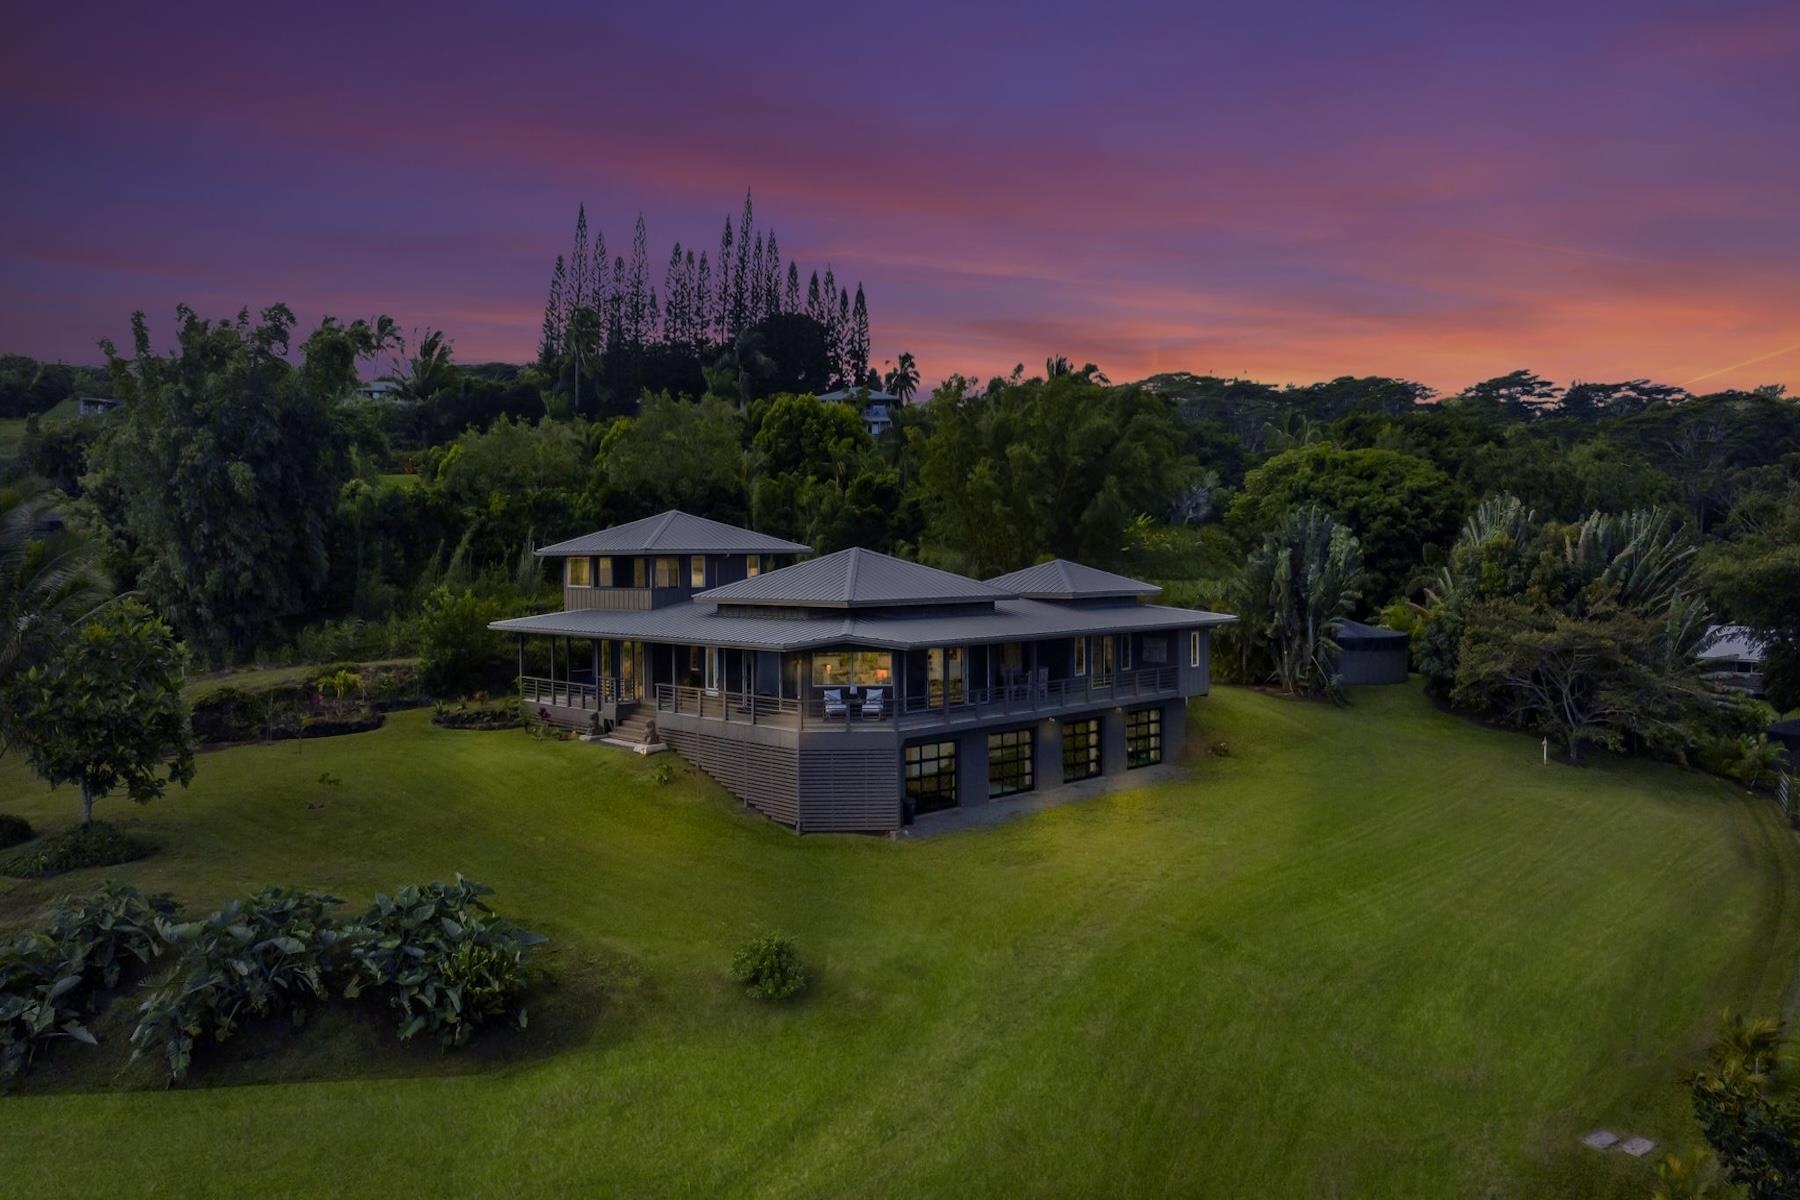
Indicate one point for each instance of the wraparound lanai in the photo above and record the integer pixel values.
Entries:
(857, 691)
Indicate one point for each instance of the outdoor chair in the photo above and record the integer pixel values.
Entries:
(834, 704)
(871, 706)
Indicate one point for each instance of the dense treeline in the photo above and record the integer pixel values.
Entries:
(267, 502)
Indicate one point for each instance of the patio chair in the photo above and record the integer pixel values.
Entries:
(871, 705)
(834, 704)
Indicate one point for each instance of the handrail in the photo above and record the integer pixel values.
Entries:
(1024, 698)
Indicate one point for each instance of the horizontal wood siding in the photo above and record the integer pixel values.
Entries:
(767, 778)
(850, 790)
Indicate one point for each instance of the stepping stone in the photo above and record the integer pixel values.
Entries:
(1637, 1147)
(1600, 1139)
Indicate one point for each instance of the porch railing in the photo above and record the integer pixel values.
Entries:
(629, 599)
(1029, 697)
(567, 693)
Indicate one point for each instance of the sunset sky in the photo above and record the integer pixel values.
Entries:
(1282, 191)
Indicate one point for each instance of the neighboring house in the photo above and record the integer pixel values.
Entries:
(95, 406)
(877, 407)
(379, 389)
(1734, 659)
(1369, 654)
(855, 691)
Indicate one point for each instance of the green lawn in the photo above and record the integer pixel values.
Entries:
(12, 429)
(1373, 952)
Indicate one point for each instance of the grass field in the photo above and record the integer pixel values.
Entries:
(1373, 952)
(12, 429)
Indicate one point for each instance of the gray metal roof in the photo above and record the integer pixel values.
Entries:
(855, 578)
(1732, 643)
(1354, 635)
(699, 623)
(1060, 579)
(675, 532)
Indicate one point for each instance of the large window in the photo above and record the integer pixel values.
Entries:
(638, 578)
(697, 571)
(1009, 762)
(1081, 749)
(841, 668)
(668, 572)
(931, 776)
(578, 571)
(606, 572)
(752, 565)
(1143, 737)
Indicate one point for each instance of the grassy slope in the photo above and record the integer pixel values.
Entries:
(1375, 952)
(12, 429)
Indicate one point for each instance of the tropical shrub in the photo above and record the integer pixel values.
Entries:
(101, 844)
(442, 958)
(769, 967)
(458, 650)
(48, 978)
(13, 830)
(1295, 593)
(261, 956)
(1747, 1108)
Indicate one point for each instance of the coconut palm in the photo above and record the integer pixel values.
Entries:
(903, 380)
(427, 371)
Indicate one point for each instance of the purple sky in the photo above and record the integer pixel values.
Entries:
(1289, 192)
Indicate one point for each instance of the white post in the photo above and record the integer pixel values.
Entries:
(1546, 751)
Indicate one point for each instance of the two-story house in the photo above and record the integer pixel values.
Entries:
(857, 691)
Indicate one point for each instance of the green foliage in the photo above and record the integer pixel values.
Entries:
(1686, 1176)
(1748, 1111)
(677, 454)
(49, 580)
(663, 773)
(1395, 504)
(769, 967)
(1755, 577)
(442, 958)
(48, 978)
(95, 844)
(106, 710)
(514, 456)
(458, 651)
(341, 684)
(1057, 467)
(1295, 592)
(13, 830)
(224, 467)
(1598, 640)
(265, 955)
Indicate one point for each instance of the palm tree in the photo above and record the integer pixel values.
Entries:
(427, 371)
(1296, 591)
(903, 380)
(50, 577)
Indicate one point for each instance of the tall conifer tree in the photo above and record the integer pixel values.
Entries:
(857, 339)
(550, 342)
(703, 301)
(792, 302)
(722, 313)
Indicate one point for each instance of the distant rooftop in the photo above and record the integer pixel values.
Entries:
(1354, 635)
(868, 395)
(1733, 643)
(674, 532)
(1060, 579)
(856, 578)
